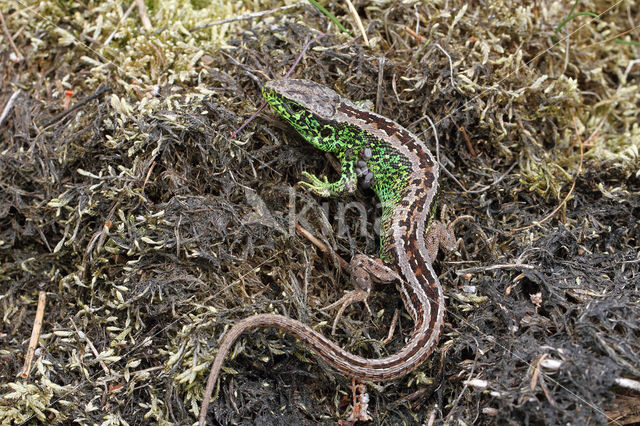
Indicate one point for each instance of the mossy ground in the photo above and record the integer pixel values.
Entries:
(150, 230)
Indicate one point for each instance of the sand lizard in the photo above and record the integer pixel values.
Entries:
(399, 168)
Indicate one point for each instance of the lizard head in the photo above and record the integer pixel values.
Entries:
(309, 107)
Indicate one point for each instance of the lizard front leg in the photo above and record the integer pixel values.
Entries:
(346, 184)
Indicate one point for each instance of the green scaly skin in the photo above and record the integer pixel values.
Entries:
(389, 167)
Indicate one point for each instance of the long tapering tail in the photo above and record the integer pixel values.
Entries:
(416, 350)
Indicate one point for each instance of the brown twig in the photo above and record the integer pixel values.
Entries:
(468, 141)
(415, 35)
(146, 179)
(124, 17)
(621, 34)
(142, 11)
(35, 334)
(356, 17)
(19, 55)
(536, 373)
(316, 242)
(7, 108)
(392, 327)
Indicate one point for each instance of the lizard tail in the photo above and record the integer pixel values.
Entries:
(345, 362)
(296, 328)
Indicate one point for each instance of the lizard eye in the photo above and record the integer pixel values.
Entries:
(295, 109)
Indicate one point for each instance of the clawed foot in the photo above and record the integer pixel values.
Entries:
(354, 296)
(364, 270)
(323, 188)
(441, 236)
(320, 187)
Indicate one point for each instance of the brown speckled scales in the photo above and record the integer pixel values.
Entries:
(405, 238)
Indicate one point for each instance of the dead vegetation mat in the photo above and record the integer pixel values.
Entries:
(150, 230)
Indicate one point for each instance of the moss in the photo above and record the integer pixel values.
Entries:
(152, 231)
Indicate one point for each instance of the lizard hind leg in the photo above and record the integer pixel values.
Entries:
(364, 271)
(439, 236)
